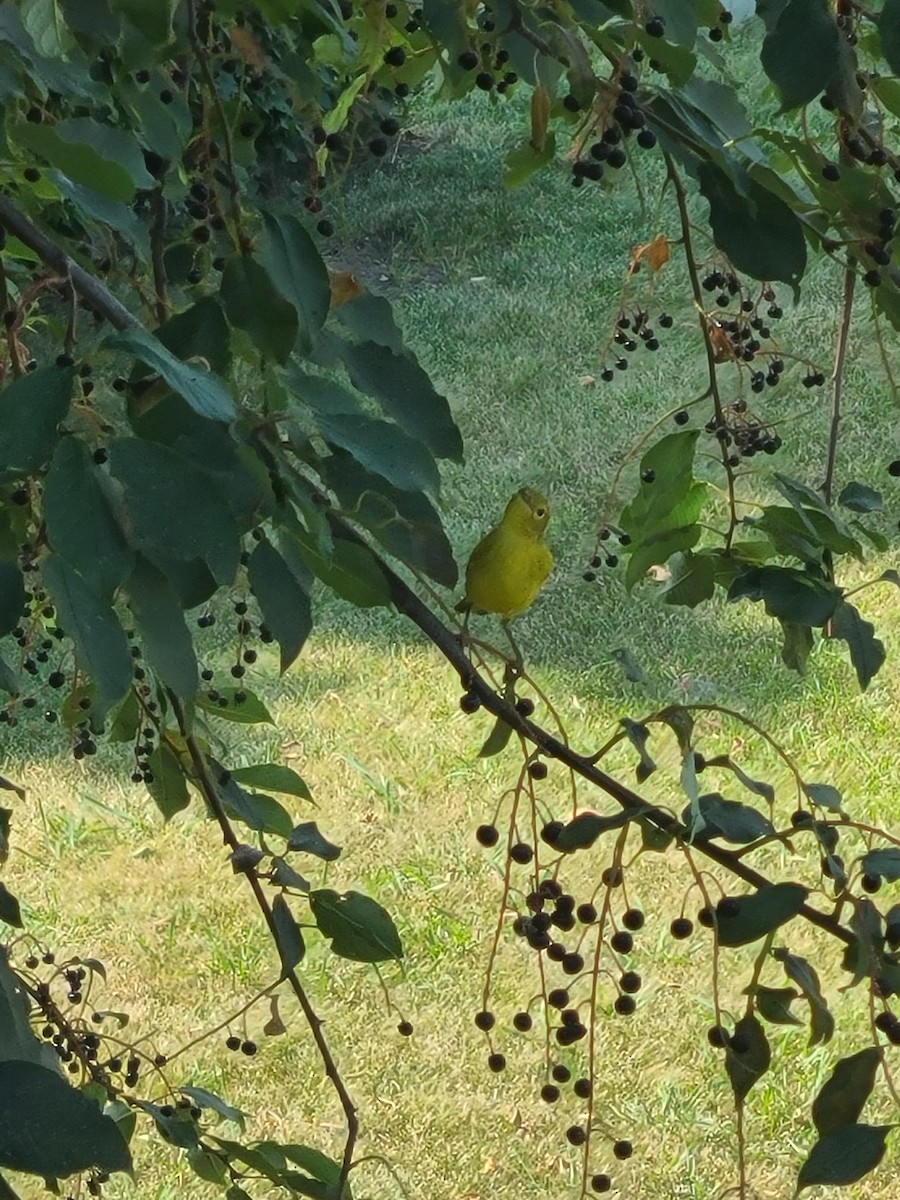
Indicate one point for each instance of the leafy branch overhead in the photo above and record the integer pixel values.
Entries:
(201, 414)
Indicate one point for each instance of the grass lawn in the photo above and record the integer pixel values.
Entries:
(509, 298)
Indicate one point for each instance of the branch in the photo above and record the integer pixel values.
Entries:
(837, 376)
(449, 644)
(86, 285)
(210, 793)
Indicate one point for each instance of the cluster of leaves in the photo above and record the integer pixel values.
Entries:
(785, 556)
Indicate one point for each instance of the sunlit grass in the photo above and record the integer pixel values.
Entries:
(509, 299)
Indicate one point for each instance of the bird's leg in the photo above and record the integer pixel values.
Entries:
(517, 664)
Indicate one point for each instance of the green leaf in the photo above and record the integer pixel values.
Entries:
(352, 572)
(79, 161)
(205, 1099)
(17, 1040)
(10, 912)
(680, 19)
(774, 1004)
(788, 594)
(760, 912)
(805, 977)
(859, 497)
(525, 161)
(306, 839)
(176, 1125)
(273, 777)
(12, 595)
(662, 517)
(746, 1068)
(801, 54)
(200, 331)
(253, 304)
(384, 448)
(173, 508)
(284, 875)
(867, 652)
(94, 208)
(49, 1128)
(843, 1096)
(288, 937)
(284, 604)
(406, 523)
(295, 267)
(208, 1166)
(755, 229)
(371, 318)
(638, 734)
(844, 1156)
(884, 863)
(31, 408)
(759, 787)
(824, 795)
(356, 925)
(206, 393)
(81, 527)
(728, 819)
(406, 394)
(497, 740)
(168, 785)
(797, 646)
(677, 62)
(100, 643)
(167, 641)
(584, 829)
(114, 143)
(153, 19)
(319, 1165)
(889, 29)
(692, 579)
(250, 710)
(257, 811)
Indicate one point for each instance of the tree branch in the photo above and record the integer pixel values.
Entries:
(86, 285)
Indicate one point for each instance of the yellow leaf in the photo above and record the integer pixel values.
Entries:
(344, 286)
(658, 252)
(655, 254)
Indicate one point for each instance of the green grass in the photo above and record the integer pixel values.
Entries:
(508, 298)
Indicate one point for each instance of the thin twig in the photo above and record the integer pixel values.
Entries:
(687, 243)
(157, 255)
(837, 376)
(210, 85)
(211, 795)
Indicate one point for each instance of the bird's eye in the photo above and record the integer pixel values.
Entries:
(539, 512)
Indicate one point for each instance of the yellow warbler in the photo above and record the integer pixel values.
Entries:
(510, 564)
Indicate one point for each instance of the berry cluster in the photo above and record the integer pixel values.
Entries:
(745, 433)
(490, 62)
(631, 331)
(581, 944)
(626, 118)
(607, 559)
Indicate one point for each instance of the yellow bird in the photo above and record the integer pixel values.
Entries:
(511, 563)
